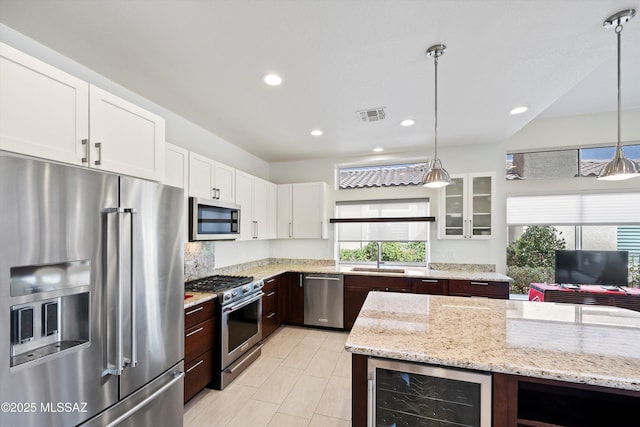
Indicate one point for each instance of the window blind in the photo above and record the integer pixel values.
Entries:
(574, 209)
(383, 231)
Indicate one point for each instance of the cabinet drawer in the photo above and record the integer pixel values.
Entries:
(198, 313)
(270, 301)
(198, 339)
(269, 323)
(429, 286)
(478, 288)
(270, 284)
(379, 283)
(197, 374)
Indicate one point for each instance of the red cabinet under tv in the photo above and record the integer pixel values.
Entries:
(616, 296)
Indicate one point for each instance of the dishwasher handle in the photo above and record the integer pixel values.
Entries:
(335, 279)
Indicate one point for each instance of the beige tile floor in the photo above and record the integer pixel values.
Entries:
(302, 379)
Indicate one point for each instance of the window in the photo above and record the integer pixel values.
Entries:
(584, 221)
(388, 242)
(553, 164)
(381, 176)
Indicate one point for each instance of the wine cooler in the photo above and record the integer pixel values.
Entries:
(404, 394)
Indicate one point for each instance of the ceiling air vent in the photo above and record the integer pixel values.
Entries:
(372, 114)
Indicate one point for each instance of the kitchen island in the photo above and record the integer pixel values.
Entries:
(550, 364)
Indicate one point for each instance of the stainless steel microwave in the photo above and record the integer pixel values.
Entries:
(213, 220)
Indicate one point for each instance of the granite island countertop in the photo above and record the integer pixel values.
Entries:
(594, 345)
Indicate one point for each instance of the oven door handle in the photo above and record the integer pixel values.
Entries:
(243, 303)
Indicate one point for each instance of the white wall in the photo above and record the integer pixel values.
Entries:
(478, 158)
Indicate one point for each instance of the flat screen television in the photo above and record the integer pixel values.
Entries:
(592, 267)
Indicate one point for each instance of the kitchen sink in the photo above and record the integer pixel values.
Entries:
(378, 270)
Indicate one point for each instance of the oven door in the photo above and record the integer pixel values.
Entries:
(241, 327)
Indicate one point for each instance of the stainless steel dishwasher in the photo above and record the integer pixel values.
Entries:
(323, 300)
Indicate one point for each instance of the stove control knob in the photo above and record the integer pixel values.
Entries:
(227, 297)
(234, 293)
(245, 290)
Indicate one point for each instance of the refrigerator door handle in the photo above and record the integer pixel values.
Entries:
(133, 360)
(116, 366)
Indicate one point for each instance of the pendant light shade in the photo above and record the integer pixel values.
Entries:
(436, 175)
(619, 167)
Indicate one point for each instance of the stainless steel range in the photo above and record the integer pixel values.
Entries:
(239, 323)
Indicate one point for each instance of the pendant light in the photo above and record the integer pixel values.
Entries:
(436, 175)
(619, 167)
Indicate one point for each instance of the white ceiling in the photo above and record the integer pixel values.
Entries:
(204, 60)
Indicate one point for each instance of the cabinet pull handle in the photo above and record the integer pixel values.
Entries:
(195, 366)
(217, 193)
(429, 281)
(301, 280)
(271, 315)
(195, 311)
(370, 404)
(290, 230)
(269, 281)
(99, 148)
(200, 329)
(270, 294)
(480, 283)
(85, 143)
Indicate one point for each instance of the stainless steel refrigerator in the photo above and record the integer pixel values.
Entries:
(91, 303)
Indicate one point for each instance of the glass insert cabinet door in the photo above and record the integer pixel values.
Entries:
(467, 207)
(404, 394)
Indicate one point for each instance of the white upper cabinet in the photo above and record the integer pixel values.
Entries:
(261, 208)
(124, 137)
(244, 198)
(43, 111)
(211, 180)
(176, 174)
(176, 170)
(272, 210)
(48, 113)
(253, 194)
(467, 207)
(284, 223)
(302, 212)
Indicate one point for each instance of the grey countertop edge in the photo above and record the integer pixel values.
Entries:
(559, 375)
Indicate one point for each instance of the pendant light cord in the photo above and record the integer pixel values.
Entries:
(618, 34)
(435, 60)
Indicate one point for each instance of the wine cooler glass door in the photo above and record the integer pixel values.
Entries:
(404, 394)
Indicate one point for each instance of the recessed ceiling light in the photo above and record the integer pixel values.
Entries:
(316, 132)
(378, 149)
(518, 110)
(272, 79)
(408, 122)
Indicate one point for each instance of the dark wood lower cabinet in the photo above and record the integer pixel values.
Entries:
(479, 288)
(430, 286)
(199, 347)
(198, 373)
(295, 296)
(271, 317)
(357, 287)
(535, 402)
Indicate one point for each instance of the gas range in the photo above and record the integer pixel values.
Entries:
(228, 288)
